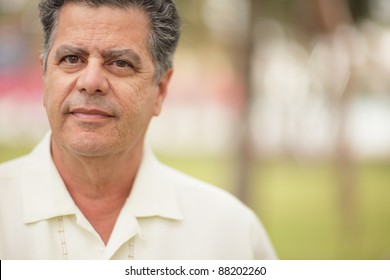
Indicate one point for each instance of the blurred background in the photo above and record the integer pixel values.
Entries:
(284, 103)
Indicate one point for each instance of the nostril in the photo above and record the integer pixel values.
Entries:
(93, 81)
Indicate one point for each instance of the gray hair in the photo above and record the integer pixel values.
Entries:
(164, 26)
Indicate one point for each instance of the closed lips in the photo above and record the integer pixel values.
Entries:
(90, 112)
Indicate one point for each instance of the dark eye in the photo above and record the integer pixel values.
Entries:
(71, 59)
(122, 64)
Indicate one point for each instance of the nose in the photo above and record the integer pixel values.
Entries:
(92, 79)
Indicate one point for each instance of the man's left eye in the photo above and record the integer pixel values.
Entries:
(122, 64)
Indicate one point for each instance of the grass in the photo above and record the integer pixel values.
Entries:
(299, 204)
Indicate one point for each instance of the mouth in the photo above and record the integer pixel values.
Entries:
(90, 114)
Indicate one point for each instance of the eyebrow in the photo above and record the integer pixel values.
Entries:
(68, 49)
(129, 54)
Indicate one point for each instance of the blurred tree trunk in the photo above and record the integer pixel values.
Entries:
(333, 14)
(245, 54)
(345, 166)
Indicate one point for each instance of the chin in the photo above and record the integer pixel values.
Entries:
(90, 150)
(91, 146)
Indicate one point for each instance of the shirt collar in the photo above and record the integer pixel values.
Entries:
(45, 195)
(153, 193)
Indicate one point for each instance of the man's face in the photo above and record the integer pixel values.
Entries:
(100, 92)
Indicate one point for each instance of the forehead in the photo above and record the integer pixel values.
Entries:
(102, 27)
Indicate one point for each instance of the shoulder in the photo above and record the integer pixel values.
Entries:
(21, 171)
(14, 174)
(28, 165)
(218, 213)
(13, 168)
(12, 179)
(199, 196)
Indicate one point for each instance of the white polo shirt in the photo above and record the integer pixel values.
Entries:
(168, 215)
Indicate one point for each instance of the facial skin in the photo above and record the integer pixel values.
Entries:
(100, 92)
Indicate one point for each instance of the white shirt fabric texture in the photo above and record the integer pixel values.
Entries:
(168, 215)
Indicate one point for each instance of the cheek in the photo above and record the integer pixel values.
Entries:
(49, 98)
(138, 105)
(57, 88)
(55, 93)
(48, 95)
(139, 99)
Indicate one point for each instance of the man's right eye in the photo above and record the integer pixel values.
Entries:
(71, 59)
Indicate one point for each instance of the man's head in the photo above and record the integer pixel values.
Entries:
(163, 18)
(107, 66)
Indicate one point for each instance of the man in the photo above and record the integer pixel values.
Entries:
(91, 189)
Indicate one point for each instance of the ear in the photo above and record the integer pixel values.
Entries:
(42, 64)
(162, 90)
(42, 61)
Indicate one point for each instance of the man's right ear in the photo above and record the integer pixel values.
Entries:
(42, 62)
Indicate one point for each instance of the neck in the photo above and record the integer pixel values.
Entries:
(99, 186)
